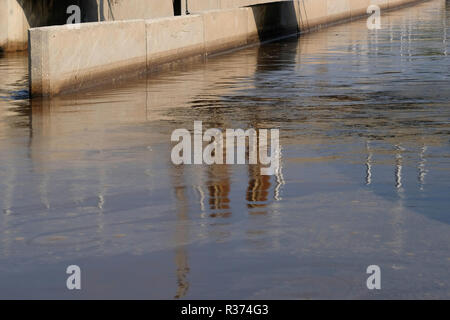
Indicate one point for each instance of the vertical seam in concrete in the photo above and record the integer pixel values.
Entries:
(147, 54)
(7, 25)
(203, 37)
(205, 47)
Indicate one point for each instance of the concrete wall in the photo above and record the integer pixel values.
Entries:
(134, 9)
(196, 6)
(63, 59)
(13, 26)
(224, 29)
(170, 39)
(17, 16)
(313, 14)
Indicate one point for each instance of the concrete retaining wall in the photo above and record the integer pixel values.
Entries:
(66, 59)
(135, 9)
(196, 6)
(173, 38)
(63, 59)
(13, 26)
(17, 16)
(225, 29)
(316, 13)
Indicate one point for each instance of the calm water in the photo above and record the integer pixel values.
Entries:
(364, 121)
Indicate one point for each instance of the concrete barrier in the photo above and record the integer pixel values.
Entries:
(338, 10)
(13, 26)
(17, 16)
(197, 6)
(3, 25)
(359, 7)
(66, 59)
(312, 13)
(174, 38)
(171, 39)
(135, 9)
(399, 3)
(225, 29)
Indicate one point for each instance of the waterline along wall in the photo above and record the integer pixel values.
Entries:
(67, 58)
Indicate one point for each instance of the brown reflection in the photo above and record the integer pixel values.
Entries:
(181, 233)
(258, 188)
(218, 186)
(219, 180)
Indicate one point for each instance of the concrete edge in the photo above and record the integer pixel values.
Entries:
(172, 39)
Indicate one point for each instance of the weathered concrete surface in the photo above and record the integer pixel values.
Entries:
(134, 9)
(17, 16)
(225, 29)
(196, 6)
(62, 59)
(13, 26)
(170, 39)
(312, 14)
(66, 59)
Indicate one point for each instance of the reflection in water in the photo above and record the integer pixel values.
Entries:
(363, 118)
(444, 31)
(279, 180)
(398, 168)
(181, 236)
(258, 189)
(8, 200)
(368, 164)
(218, 186)
(422, 170)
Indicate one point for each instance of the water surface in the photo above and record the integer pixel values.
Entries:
(364, 124)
